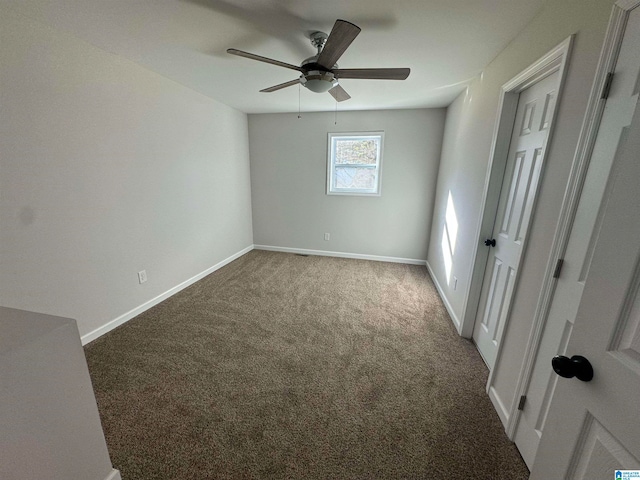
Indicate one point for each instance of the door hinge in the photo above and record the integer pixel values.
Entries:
(606, 88)
(556, 272)
(523, 398)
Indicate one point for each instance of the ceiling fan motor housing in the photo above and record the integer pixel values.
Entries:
(317, 78)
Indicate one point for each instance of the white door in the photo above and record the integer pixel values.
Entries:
(593, 427)
(616, 118)
(519, 187)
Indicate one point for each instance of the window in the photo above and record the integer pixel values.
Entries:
(355, 163)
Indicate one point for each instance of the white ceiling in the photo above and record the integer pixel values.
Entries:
(444, 42)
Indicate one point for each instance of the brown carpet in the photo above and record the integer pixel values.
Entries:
(285, 366)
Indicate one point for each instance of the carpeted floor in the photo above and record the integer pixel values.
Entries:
(285, 366)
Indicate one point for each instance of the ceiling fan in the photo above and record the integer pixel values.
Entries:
(320, 73)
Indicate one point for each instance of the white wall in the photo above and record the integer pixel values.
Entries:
(288, 178)
(451, 182)
(466, 152)
(107, 169)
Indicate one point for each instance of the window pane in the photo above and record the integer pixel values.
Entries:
(354, 163)
(361, 151)
(356, 178)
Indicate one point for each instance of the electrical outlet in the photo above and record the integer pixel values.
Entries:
(142, 276)
(327, 236)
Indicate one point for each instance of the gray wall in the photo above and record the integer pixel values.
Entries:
(107, 169)
(288, 183)
(466, 153)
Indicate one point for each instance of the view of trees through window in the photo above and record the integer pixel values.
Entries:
(354, 163)
(358, 151)
(356, 178)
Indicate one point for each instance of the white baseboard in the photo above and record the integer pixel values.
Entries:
(326, 253)
(454, 318)
(499, 407)
(114, 475)
(89, 337)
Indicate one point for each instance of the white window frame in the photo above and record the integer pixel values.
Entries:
(377, 190)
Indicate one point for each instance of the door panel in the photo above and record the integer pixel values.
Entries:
(493, 302)
(519, 188)
(609, 145)
(626, 342)
(601, 455)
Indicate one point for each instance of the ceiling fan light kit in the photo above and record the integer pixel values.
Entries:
(319, 82)
(320, 73)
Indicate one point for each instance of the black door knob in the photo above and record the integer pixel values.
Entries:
(490, 242)
(576, 366)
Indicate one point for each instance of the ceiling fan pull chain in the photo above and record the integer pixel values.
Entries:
(299, 88)
(335, 120)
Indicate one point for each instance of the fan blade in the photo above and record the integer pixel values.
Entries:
(282, 85)
(339, 94)
(373, 73)
(341, 36)
(253, 56)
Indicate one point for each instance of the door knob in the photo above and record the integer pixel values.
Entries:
(576, 366)
(490, 242)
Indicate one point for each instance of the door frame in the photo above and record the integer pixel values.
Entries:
(586, 141)
(554, 60)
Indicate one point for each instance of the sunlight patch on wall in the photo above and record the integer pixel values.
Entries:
(451, 223)
(446, 255)
(449, 235)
